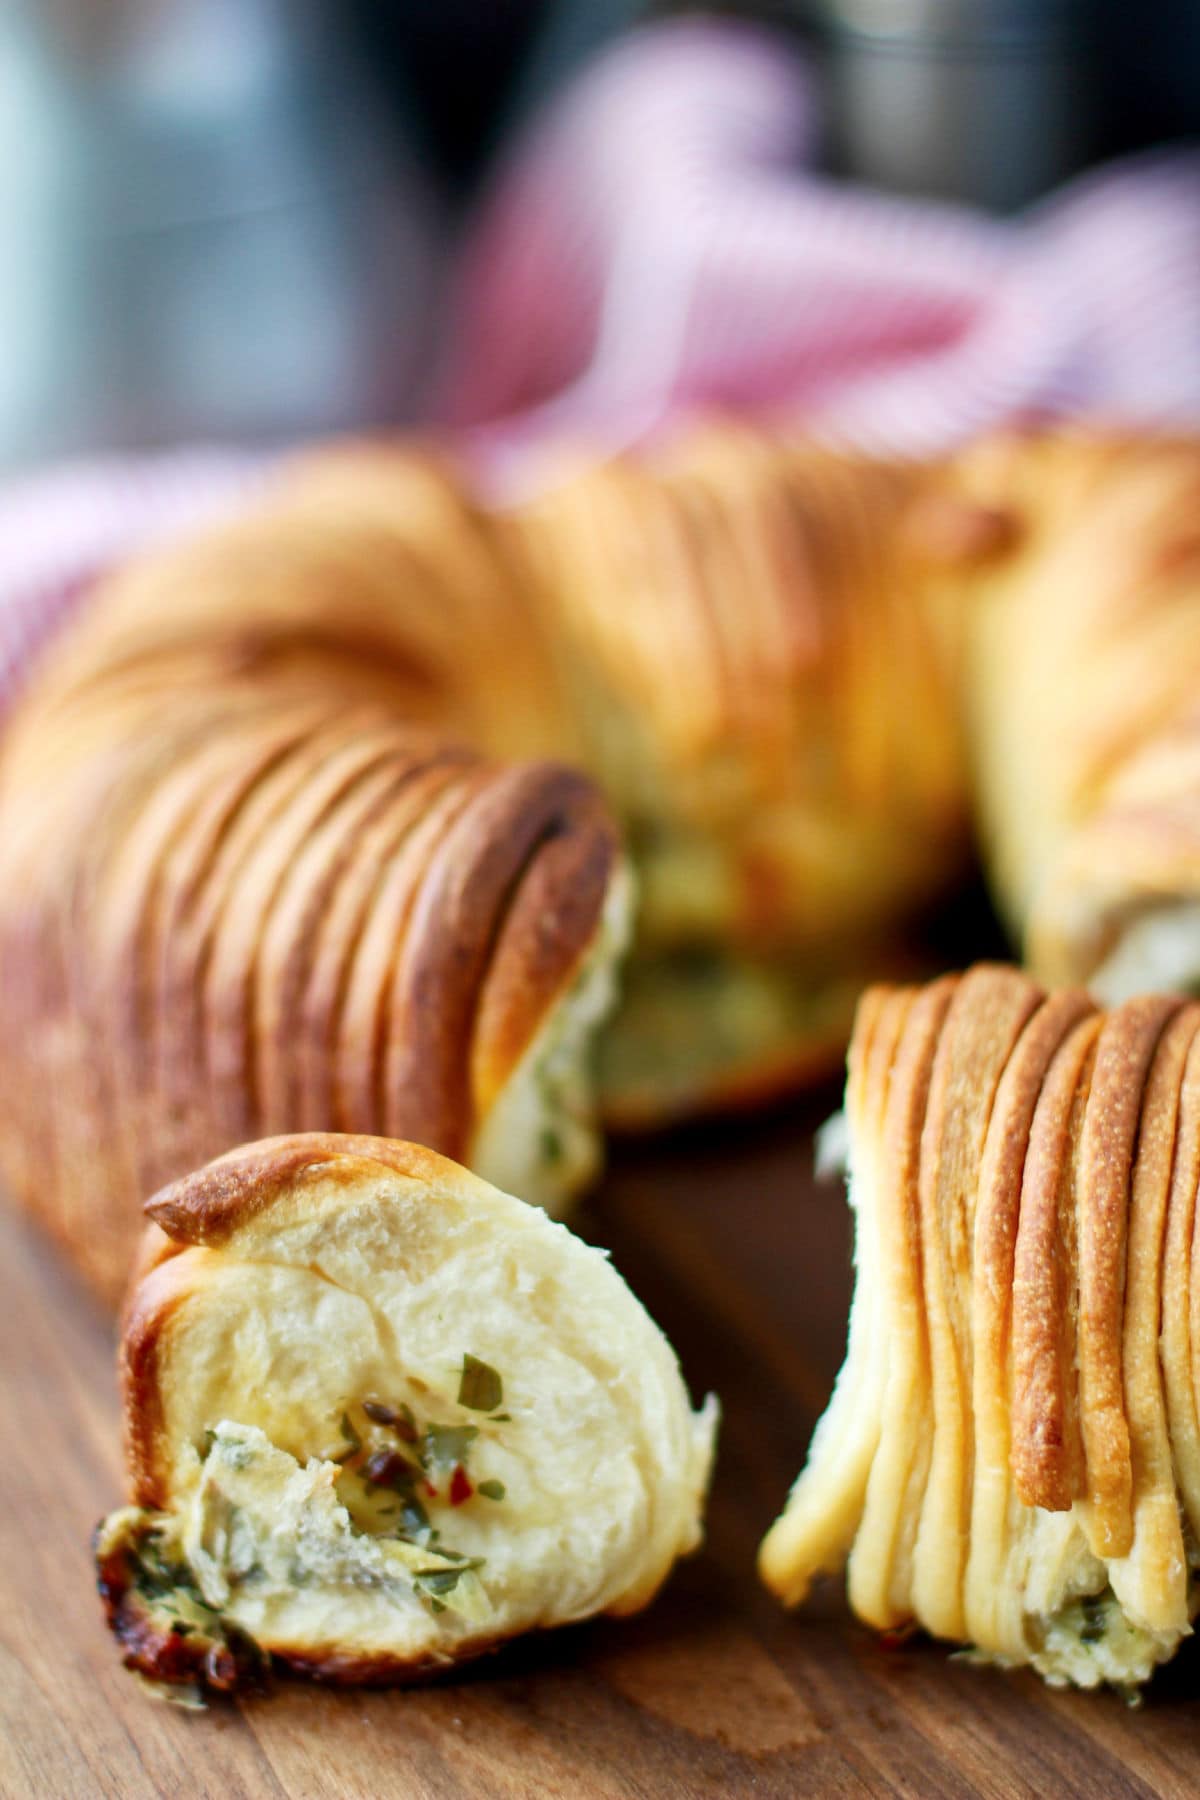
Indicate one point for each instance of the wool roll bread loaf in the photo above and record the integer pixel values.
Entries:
(1010, 1459)
(286, 849)
(381, 1417)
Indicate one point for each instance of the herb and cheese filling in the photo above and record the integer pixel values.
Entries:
(272, 1548)
(699, 1025)
(331, 1475)
(541, 1139)
(268, 1548)
(1090, 1639)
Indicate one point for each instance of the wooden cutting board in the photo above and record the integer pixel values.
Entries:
(744, 1260)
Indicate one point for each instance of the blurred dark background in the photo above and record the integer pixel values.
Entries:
(474, 69)
(239, 218)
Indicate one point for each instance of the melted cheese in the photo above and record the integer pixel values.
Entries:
(273, 1549)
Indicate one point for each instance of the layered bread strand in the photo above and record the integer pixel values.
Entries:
(1009, 1458)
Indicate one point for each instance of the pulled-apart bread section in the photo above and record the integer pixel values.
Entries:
(1082, 664)
(1010, 1457)
(381, 1417)
(250, 887)
(760, 664)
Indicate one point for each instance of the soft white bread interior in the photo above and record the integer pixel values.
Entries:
(380, 1417)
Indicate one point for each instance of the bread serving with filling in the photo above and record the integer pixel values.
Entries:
(381, 1417)
(1011, 1457)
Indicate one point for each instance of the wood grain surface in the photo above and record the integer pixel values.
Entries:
(714, 1692)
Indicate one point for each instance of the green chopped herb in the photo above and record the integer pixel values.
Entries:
(551, 1145)
(1095, 1618)
(501, 1418)
(491, 1490)
(444, 1445)
(480, 1387)
(155, 1578)
(439, 1581)
(353, 1441)
(405, 1424)
(414, 1520)
(438, 1606)
(444, 1581)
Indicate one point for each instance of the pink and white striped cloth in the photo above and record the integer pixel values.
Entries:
(656, 244)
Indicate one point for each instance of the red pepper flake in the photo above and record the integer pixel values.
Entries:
(461, 1488)
(431, 1490)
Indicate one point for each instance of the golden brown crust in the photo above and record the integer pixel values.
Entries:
(206, 1208)
(1158, 1560)
(214, 732)
(1047, 1455)
(536, 951)
(986, 1017)
(148, 1307)
(366, 1003)
(997, 1384)
(338, 934)
(214, 993)
(287, 945)
(1108, 1141)
(350, 752)
(1178, 1289)
(753, 691)
(459, 912)
(231, 746)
